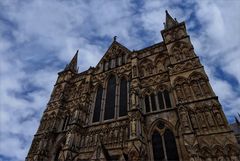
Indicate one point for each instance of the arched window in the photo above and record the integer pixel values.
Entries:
(147, 104)
(167, 99)
(157, 145)
(98, 102)
(123, 98)
(164, 146)
(110, 98)
(160, 101)
(164, 100)
(170, 145)
(154, 108)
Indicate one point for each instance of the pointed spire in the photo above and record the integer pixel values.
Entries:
(170, 22)
(73, 64)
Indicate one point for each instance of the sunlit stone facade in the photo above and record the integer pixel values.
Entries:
(150, 104)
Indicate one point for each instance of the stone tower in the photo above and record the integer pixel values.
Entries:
(151, 104)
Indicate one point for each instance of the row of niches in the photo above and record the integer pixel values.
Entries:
(148, 67)
(157, 101)
(114, 62)
(198, 117)
(48, 123)
(107, 136)
(181, 51)
(196, 86)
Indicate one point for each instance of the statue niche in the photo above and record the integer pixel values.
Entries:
(161, 62)
(146, 68)
(181, 51)
(199, 84)
(181, 88)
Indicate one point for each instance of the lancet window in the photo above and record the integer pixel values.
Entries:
(114, 100)
(123, 98)
(164, 144)
(98, 103)
(110, 98)
(159, 101)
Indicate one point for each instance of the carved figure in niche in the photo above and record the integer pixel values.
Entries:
(187, 91)
(121, 134)
(179, 93)
(184, 119)
(219, 118)
(133, 127)
(146, 67)
(69, 139)
(177, 56)
(205, 87)
(201, 120)
(160, 66)
(186, 52)
(196, 89)
(180, 51)
(193, 121)
(134, 71)
(209, 118)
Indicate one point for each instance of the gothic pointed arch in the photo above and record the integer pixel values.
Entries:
(98, 103)
(146, 67)
(163, 142)
(109, 110)
(160, 61)
(123, 100)
(181, 51)
(182, 88)
(199, 84)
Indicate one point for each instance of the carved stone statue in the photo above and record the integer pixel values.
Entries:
(209, 118)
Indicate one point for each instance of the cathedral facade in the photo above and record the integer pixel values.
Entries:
(151, 104)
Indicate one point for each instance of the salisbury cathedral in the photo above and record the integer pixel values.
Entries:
(153, 104)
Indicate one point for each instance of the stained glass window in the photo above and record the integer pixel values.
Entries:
(170, 145)
(147, 105)
(164, 146)
(160, 101)
(154, 108)
(157, 145)
(110, 98)
(167, 99)
(98, 102)
(123, 98)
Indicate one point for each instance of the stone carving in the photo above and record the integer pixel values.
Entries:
(195, 113)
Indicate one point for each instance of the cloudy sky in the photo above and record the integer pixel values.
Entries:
(39, 37)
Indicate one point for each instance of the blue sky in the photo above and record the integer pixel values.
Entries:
(39, 37)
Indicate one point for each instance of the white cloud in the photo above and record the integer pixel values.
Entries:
(39, 37)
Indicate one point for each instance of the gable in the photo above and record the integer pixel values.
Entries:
(115, 51)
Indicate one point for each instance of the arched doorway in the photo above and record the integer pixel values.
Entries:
(163, 143)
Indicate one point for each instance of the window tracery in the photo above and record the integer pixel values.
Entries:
(123, 97)
(98, 103)
(164, 146)
(110, 98)
(157, 101)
